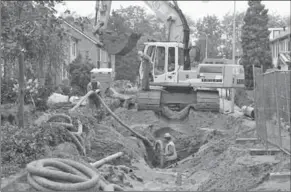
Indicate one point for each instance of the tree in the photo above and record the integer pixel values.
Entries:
(210, 26)
(227, 28)
(32, 26)
(255, 40)
(134, 19)
(278, 21)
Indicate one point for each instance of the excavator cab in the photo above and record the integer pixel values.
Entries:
(168, 61)
(165, 59)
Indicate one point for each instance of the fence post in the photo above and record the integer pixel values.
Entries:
(256, 106)
(287, 97)
(277, 108)
(264, 111)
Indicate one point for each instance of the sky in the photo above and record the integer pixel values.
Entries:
(194, 9)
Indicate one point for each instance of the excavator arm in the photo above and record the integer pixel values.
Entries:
(113, 43)
(167, 12)
(178, 28)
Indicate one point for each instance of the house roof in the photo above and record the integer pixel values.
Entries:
(87, 36)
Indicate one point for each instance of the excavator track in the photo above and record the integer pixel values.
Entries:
(202, 99)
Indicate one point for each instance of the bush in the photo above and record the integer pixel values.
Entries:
(7, 93)
(21, 146)
(79, 71)
(41, 98)
(18, 145)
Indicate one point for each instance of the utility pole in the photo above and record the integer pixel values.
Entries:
(206, 46)
(233, 55)
(0, 86)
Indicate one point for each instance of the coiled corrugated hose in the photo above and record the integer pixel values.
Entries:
(57, 174)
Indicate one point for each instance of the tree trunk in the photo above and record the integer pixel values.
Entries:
(41, 71)
(4, 68)
(21, 91)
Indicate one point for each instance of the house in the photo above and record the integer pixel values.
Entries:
(274, 32)
(280, 45)
(84, 43)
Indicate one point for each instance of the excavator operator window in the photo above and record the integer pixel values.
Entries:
(181, 57)
(151, 52)
(171, 59)
(160, 61)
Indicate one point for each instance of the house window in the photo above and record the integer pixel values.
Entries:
(74, 47)
(64, 71)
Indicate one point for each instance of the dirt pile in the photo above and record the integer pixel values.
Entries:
(120, 175)
(227, 165)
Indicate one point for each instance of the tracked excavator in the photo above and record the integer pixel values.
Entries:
(173, 84)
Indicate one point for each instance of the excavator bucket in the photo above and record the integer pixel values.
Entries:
(119, 44)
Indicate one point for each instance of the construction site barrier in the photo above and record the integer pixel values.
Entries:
(272, 107)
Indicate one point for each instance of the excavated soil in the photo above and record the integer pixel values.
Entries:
(209, 158)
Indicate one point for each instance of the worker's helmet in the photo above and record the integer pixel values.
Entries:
(167, 136)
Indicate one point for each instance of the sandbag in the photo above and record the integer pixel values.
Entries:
(57, 98)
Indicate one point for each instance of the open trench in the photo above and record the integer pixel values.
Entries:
(188, 135)
(206, 154)
(208, 157)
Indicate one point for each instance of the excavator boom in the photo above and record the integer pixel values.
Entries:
(113, 43)
(165, 13)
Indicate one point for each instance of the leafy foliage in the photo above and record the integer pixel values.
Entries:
(134, 19)
(277, 21)
(79, 71)
(7, 93)
(20, 146)
(211, 26)
(255, 40)
(227, 27)
(33, 92)
(31, 26)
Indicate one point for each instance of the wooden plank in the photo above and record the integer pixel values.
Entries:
(280, 175)
(271, 151)
(247, 140)
(206, 85)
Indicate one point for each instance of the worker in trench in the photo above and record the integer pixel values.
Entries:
(170, 153)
